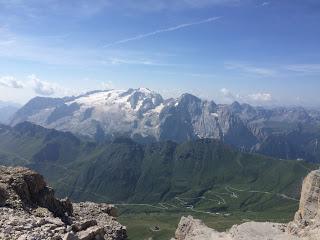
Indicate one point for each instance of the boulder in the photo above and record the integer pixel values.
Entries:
(92, 233)
(83, 225)
(70, 236)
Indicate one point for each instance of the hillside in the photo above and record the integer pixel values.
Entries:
(152, 173)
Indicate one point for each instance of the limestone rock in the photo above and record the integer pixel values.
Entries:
(309, 207)
(89, 212)
(194, 229)
(24, 188)
(306, 222)
(70, 236)
(84, 225)
(92, 233)
(29, 211)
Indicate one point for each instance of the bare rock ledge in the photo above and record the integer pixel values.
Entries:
(30, 211)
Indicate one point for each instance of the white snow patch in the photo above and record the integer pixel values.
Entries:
(215, 115)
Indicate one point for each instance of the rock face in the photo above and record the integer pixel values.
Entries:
(29, 210)
(305, 226)
(91, 217)
(194, 229)
(307, 219)
(309, 206)
(22, 188)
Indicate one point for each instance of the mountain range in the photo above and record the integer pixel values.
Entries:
(145, 116)
(125, 171)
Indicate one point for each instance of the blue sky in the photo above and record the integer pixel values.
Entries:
(256, 51)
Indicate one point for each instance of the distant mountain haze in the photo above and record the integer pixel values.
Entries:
(7, 110)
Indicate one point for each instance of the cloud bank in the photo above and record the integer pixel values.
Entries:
(259, 98)
(46, 88)
(42, 87)
(250, 69)
(304, 68)
(10, 82)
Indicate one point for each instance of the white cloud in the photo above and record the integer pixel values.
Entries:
(10, 82)
(159, 5)
(248, 68)
(46, 88)
(264, 4)
(120, 61)
(227, 94)
(42, 87)
(47, 50)
(304, 68)
(252, 98)
(6, 37)
(107, 85)
(160, 31)
(85, 8)
(260, 97)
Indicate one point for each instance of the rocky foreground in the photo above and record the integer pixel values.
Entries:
(30, 211)
(305, 226)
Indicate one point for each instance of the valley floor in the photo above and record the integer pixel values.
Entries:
(218, 208)
(141, 226)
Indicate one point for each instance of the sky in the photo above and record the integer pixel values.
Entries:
(263, 52)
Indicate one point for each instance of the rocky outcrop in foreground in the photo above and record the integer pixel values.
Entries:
(305, 226)
(29, 211)
(306, 223)
(194, 229)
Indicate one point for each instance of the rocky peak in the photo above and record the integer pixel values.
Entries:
(188, 98)
(143, 99)
(235, 107)
(29, 210)
(190, 104)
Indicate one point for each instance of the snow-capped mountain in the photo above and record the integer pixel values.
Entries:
(145, 116)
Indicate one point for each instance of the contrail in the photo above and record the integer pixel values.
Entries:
(170, 29)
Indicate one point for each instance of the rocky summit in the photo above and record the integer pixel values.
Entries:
(305, 226)
(29, 210)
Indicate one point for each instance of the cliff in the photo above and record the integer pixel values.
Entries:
(29, 210)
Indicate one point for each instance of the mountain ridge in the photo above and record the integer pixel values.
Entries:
(145, 116)
(151, 172)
